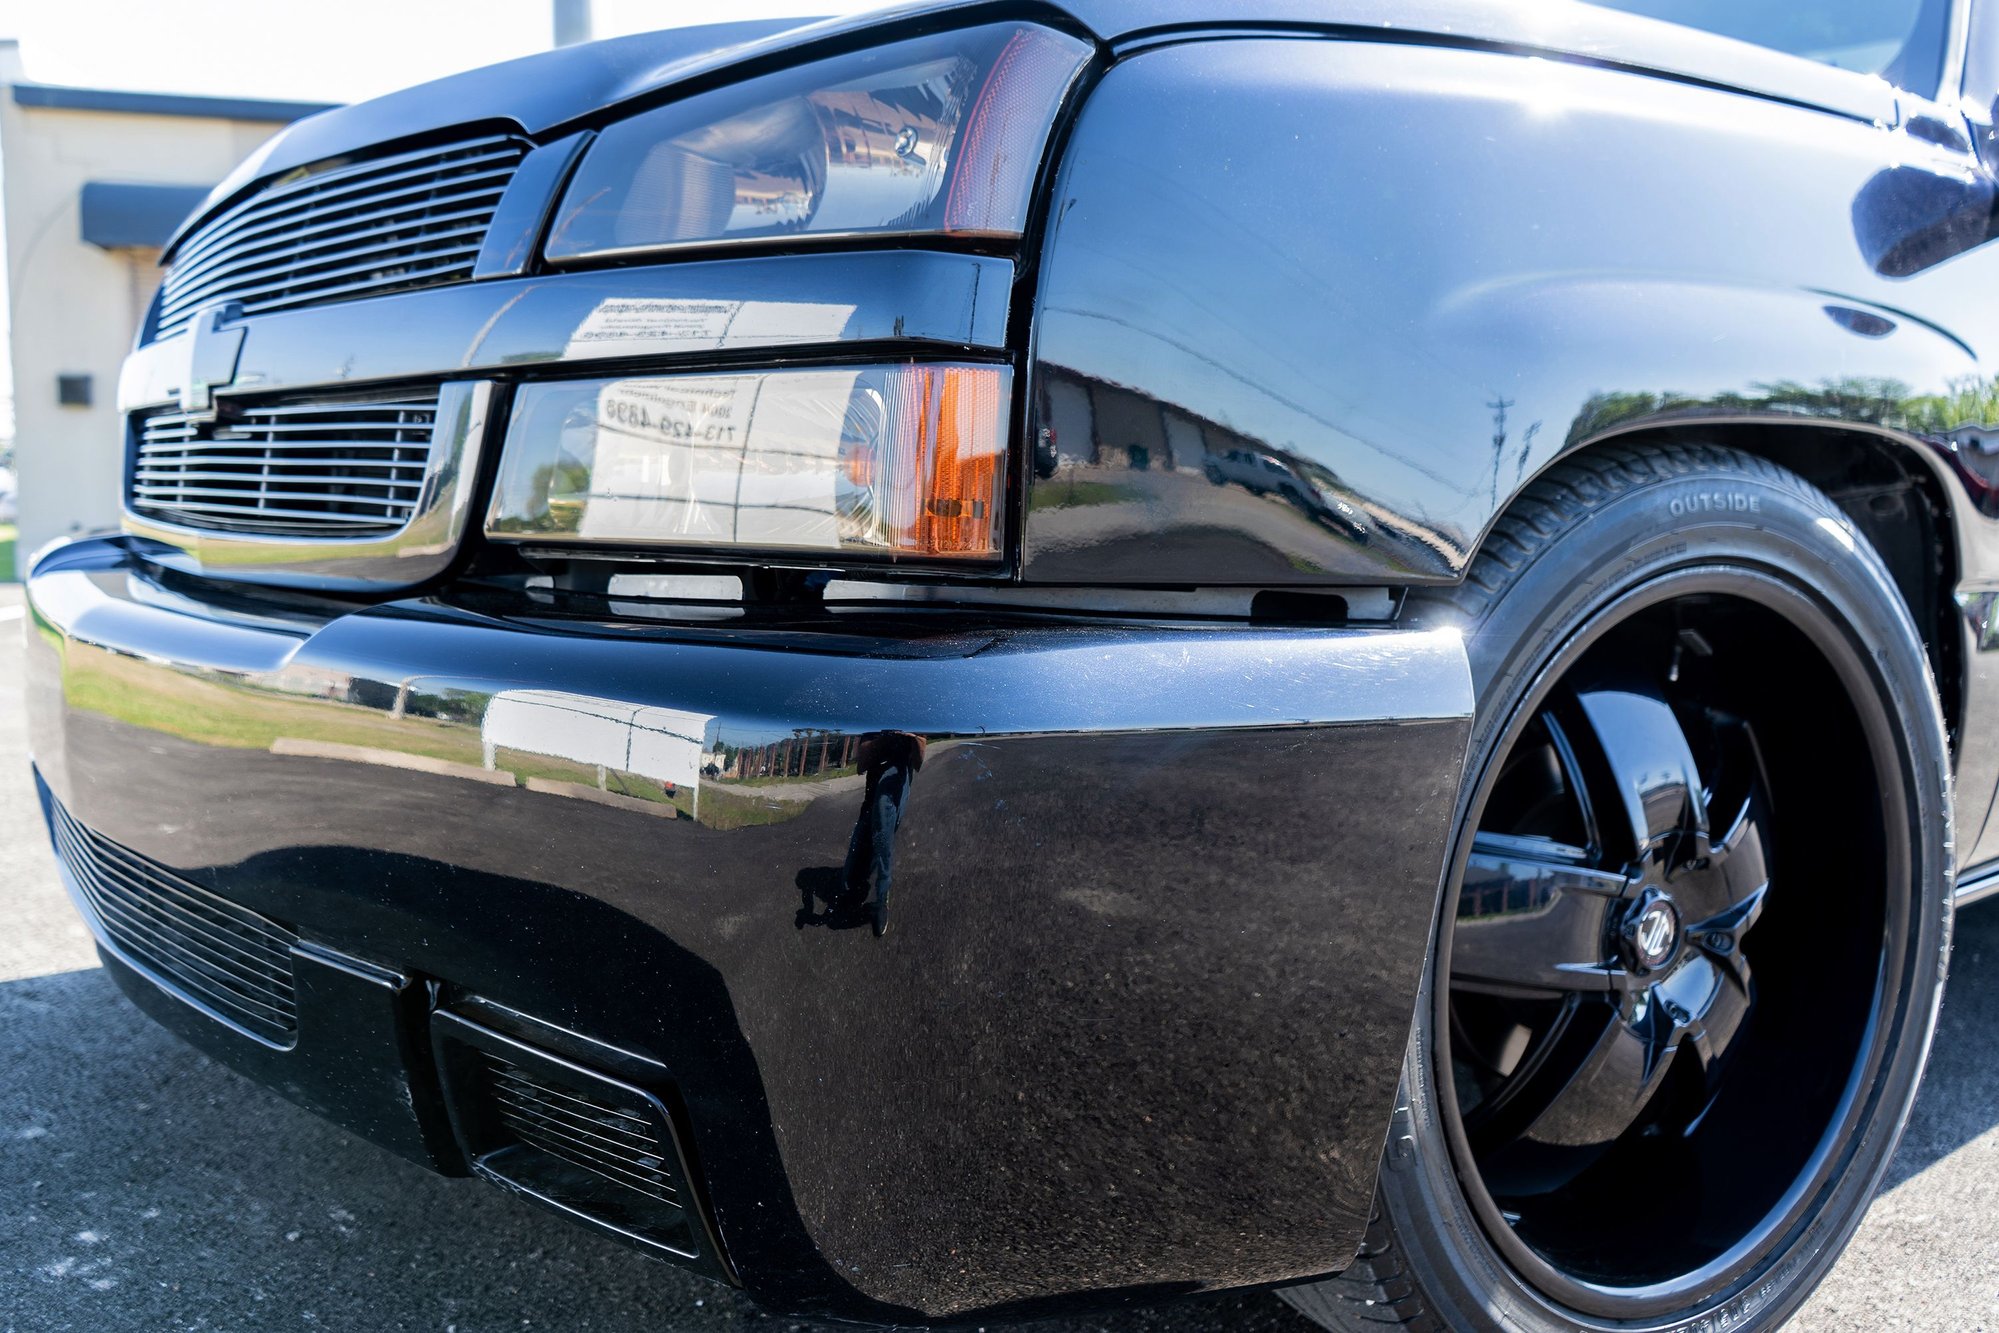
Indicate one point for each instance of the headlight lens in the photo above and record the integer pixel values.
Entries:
(939, 134)
(894, 460)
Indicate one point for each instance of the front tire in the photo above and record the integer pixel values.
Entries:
(1693, 939)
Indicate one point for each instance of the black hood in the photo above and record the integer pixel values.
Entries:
(542, 93)
(535, 94)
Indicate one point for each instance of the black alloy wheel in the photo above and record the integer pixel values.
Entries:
(1690, 955)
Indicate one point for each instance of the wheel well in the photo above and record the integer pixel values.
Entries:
(1897, 504)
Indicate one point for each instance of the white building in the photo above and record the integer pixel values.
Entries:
(95, 181)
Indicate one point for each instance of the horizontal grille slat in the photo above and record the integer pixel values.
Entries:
(604, 1164)
(621, 1144)
(217, 954)
(351, 467)
(252, 485)
(415, 277)
(609, 1168)
(281, 282)
(581, 1126)
(402, 471)
(374, 175)
(345, 190)
(266, 982)
(345, 410)
(219, 518)
(517, 1081)
(168, 481)
(631, 1155)
(217, 932)
(299, 271)
(268, 514)
(356, 436)
(346, 231)
(220, 910)
(212, 976)
(471, 198)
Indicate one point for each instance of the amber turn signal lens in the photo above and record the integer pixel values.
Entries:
(960, 506)
(899, 461)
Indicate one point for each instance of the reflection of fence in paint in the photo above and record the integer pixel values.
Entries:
(666, 745)
(806, 753)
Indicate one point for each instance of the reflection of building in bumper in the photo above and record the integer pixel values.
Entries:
(666, 745)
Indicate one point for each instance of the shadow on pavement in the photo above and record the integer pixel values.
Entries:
(143, 1186)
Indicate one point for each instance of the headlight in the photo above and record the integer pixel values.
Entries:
(940, 134)
(893, 460)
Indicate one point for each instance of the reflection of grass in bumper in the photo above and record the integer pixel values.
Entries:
(224, 713)
(1075, 494)
(724, 809)
(219, 712)
(7, 571)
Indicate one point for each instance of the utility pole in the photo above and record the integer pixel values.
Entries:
(1498, 405)
(572, 21)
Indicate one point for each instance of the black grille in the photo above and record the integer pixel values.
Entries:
(349, 468)
(585, 1128)
(345, 231)
(219, 957)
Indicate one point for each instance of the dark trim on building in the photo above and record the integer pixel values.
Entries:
(119, 214)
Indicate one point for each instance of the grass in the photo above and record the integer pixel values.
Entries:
(1075, 494)
(217, 712)
(8, 574)
(221, 712)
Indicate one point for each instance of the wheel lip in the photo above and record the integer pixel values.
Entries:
(1723, 1278)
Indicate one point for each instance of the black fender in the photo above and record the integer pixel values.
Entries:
(1418, 274)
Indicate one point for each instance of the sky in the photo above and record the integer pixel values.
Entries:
(319, 50)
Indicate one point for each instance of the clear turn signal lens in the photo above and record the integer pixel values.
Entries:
(898, 460)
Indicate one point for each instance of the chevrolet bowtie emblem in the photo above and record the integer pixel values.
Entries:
(211, 354)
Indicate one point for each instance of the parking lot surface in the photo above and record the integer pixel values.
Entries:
(144, 1187)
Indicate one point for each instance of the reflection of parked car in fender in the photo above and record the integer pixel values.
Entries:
(1304, 484)
(1341, 513)
(1256, 471)
(1320, 494)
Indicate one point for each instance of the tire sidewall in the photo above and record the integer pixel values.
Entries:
(1760, 518)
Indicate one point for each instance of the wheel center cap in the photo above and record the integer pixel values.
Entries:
(1652, 932)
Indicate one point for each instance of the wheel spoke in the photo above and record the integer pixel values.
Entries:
(1637, 761)
(1531, 919)
(1709, 998)
(1735, 871)
(1585, 1104)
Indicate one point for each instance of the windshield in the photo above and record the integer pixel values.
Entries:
(1901, 40)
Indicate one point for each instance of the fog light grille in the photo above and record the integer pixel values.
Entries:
(226, 960)
(618, 1142)
(602, 1150)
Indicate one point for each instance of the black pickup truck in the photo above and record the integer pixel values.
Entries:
(996, 657)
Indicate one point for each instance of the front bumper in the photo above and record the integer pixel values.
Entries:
(1161, 898)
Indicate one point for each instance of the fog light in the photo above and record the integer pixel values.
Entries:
(902, 460)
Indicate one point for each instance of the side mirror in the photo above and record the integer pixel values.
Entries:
(1908, 218)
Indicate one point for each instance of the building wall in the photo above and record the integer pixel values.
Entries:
(73, 307)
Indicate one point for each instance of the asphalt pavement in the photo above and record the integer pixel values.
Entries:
(144, 1187)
